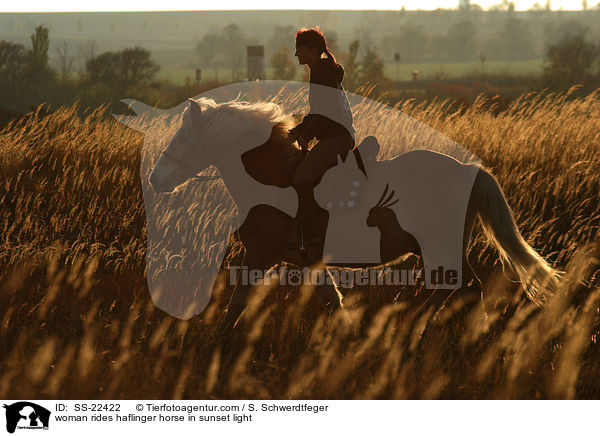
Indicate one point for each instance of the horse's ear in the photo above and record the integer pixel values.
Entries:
(339, 160)
(195, 108)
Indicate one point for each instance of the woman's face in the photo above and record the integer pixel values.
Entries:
(306, 55)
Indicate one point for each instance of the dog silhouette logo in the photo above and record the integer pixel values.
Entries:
(26, 415)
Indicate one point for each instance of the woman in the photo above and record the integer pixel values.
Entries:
(329, 121)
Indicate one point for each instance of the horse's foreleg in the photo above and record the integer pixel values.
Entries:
(264, 233)
(329, 293)
(327, 290)
(254, 260)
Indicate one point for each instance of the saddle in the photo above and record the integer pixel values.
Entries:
(271, 165)
(274, 164)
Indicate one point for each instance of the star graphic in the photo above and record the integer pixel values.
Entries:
(356, 184)
(341, 204)
(353, 193)
(329, 204)
(351, 203)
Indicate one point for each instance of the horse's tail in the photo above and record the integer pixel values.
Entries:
(539, 279)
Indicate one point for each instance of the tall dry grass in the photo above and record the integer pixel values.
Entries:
(76, 319)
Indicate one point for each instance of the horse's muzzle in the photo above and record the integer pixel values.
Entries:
(157, 186)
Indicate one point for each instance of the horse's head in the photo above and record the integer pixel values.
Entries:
(185, 155)
(213, 134)
(381, 214)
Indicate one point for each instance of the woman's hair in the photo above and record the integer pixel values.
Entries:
(314, 38)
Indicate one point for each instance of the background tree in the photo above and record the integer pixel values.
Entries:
(64, 59)
(352, 67)
(572, 60)
(412, 41)
(137, 66)
(104, 68)
(234, 48)
(123, 69)
(504, 5)
(513, 40)
(12, 62)
(224, 48)
(373, 71)
(332, 41)
(87, 52)
(208, 48)
(283, 36)
(40, 43)
(554, 31)
(284, 67)
(37, 68)
(460, 42)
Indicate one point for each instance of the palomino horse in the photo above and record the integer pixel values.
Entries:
(264, 173)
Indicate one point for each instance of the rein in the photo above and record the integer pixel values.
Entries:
(304, 151)
(284, 158)
(184, 166)
(205, 178)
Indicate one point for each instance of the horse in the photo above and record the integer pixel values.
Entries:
(207, 138)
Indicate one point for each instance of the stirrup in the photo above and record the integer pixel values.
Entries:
(304, 243)
(297, 245)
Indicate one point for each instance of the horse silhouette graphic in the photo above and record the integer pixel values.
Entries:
(26, 414)
(240, 131)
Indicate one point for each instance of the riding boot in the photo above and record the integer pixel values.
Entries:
(310, 214)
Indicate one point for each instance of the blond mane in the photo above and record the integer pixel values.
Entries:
(229, 122)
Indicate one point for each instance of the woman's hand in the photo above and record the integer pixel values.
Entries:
(303, 142)
(296, 135)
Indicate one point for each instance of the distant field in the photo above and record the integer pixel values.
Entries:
(426, 70)
(456, 69)
(178, 75)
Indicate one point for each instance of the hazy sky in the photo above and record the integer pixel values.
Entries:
(150, 5)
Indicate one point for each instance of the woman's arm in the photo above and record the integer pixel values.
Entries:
(311, 124)
(302, 131)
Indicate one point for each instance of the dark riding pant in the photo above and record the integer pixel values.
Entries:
(322, 157)
(319, 159)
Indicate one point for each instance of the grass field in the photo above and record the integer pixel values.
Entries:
(77, 322)
(427, 70)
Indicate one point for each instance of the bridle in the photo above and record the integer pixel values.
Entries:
(184, 166)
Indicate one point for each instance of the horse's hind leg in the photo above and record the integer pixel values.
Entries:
(470, 289)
